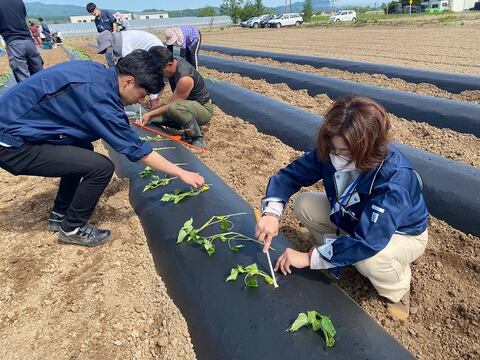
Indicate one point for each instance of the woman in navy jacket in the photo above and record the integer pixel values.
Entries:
(372, 214)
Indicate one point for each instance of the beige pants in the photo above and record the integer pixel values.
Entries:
(389, 270)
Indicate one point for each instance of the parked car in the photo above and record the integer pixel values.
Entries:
(269, 17)
(255, 22)
(286, 20)
(344, 15)
(245, 22)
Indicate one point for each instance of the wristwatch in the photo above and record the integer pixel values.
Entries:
(266, 213)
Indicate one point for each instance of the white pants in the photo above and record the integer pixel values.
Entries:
(389, 270)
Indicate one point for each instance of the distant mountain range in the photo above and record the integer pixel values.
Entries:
(318, 5)
(35, 9)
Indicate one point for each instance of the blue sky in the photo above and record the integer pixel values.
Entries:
(138, 5)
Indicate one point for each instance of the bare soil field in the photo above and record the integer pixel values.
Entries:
(66, 302)
(4, 64)
(444, 142)
(363, 78)
(431, 47)
(445, 311)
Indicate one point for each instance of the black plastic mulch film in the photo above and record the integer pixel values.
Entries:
(444, 113)
(227, 320)
(451, 82)
(452, 188)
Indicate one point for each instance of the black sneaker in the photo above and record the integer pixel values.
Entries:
(54, 221)
(198, 142)
(87, 235)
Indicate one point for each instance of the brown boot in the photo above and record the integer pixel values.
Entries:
(400, 310)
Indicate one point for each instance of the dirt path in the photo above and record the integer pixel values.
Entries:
(61, 301)
(363, 78)
(67, 302)
(4, 67)
(446, 283)
(431, 47)
(444, 142)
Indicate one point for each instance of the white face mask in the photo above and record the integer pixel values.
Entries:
(341, 164)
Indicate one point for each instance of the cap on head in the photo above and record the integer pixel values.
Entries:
(173, 36)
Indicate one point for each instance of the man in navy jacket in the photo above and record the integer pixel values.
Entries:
(104, 19)
(48, 122)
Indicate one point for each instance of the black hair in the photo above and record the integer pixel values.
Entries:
(142, 66)
(40, 19)
(162, 55)
(91, 6)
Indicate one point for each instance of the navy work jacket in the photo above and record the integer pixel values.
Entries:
(66, 104)
(387, 199)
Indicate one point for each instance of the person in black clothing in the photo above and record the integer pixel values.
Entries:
(104, 19)
(190, 105)
(23, 56)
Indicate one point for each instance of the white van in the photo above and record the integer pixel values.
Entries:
(286, 20)
(344, 15)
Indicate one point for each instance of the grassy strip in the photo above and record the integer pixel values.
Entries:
(4, 77)
(393, 19)
(80, 53)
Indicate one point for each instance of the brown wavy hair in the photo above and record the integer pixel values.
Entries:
(364, 125)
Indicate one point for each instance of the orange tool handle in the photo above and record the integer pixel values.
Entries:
(175, 138)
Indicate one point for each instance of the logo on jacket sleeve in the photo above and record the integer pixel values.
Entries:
(326, 250)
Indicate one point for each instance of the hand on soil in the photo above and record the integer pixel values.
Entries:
(293, 258)
(193, 179)
(266, 230)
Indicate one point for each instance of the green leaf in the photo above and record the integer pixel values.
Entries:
(209, 248)
(327, 326)
(233, 275)
(252, 268)
(237, 248)
(166, 197)
(200, 240)
(299, 322)
(241, 269)
(224, 225)
(312, 320)
(185, 230)
(324, 323)
(146, 172)
(252, 281)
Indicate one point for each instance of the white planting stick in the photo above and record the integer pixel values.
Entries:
(271, 270)
(257, 217)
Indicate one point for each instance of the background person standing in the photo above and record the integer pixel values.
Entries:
(23, 56)
(188, 38)
(104, 20)
(35, 30)
(46, 31)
